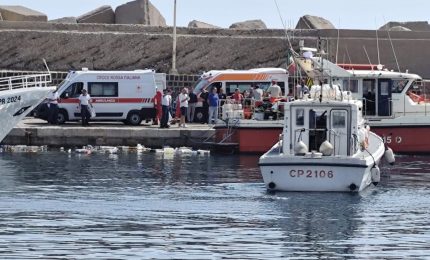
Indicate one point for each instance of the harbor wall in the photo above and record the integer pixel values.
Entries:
(128, 47)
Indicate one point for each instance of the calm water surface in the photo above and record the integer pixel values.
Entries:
(130, 206)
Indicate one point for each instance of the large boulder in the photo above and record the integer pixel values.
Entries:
(103, 14)
(139, 12)
(419, 26)
(21, 13)
(249, 25)
(310, 22)
(198, 24)
(70, 19)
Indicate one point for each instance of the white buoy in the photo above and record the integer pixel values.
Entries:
(300, 148)
(326, 148)
(389, 156)
(169, 150)
(375, 174)
(113, 150)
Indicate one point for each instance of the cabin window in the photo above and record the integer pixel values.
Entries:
(300, 117)
(417, 88)
(397, 86)
(339, 119)
(350, 85)
(73, 91)
(384, 88)
(103, 89)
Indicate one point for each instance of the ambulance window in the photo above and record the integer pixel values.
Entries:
(103, 89)
(217, 85)
(242, 86)
(73, 91)
(264, 85)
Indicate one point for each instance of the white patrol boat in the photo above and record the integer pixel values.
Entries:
(325, 146)
(19, 95)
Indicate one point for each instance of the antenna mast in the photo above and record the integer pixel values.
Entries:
(392, 47)
(377, 46)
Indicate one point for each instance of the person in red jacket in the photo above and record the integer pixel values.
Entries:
(158, 108)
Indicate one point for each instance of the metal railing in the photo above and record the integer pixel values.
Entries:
(25, 81)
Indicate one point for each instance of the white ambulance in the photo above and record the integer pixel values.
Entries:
(126, 96)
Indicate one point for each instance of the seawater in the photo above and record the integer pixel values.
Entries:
(151, 206)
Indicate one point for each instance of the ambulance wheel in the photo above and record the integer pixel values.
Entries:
(134, 118)
(62, 117)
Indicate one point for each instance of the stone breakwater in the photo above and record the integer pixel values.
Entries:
(128, 47)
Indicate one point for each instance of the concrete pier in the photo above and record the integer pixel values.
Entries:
(32, 131)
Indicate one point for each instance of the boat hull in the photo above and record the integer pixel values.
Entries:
(321, 173)
(405, 139)
(17, 103)
(251, 139)
(316, 177)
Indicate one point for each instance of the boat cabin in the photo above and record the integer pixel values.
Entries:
(313, 123)
(384, 93)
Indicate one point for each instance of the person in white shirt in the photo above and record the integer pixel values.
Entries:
(257, 93)
(53, 108)
(301, 89)
(85, 103)
(183, 99)
(166, 102)
(274, 91)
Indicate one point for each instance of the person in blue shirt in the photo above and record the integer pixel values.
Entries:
(213, 100)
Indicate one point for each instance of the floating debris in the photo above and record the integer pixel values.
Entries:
(23, 148)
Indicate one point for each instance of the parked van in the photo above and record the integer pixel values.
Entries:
(116, 95)
(230, 80)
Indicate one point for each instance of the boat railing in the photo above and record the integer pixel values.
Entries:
(25, 81)
(250, 108)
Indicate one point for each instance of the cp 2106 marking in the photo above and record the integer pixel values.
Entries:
(8, 100)
(311, 174)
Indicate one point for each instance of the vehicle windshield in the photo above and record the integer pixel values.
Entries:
(202, 83)
(62, 83)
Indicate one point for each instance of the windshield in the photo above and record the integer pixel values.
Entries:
(62, 83)
(202, 83)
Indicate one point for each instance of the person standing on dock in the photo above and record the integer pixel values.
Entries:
(203, 96)
(85, 103)
(191, 106)
(183, 99)
(166, 103)
(53, 108)
(157, 105)
(213, 100)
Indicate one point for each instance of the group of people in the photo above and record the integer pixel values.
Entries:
(84, 106)
(186, 106)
